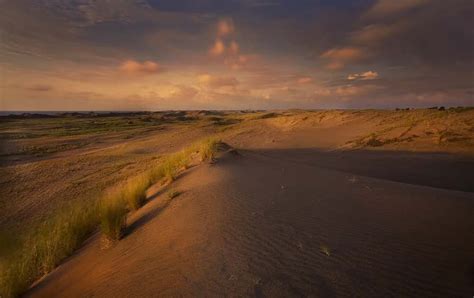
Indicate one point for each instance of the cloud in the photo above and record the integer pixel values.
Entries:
(383, 8)
(217, 81)
(354, 91)
(304, 80)
(344, 54)
(376, 33)
(239, 62)
(183, 92)
(218, 48)
(40, 88)
(339, 57)
(135, 67)
(322, 91)
(227, 48)
(225, 27)
(369, 75)
(234, 48)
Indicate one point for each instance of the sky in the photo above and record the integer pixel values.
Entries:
(235, 54)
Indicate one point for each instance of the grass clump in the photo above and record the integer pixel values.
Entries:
(113, 214)
(173, 193)
(208, 149)
(44, 247)
(171, 165)
(134, 191)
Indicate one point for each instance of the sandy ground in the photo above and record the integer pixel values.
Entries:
(32, 188)
(331, 204)
(266, 226)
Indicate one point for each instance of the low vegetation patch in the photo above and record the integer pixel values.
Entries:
(208, 149)
(57, 238)
(113, 214)
(46, 246)
(134, 191)
(173, 193)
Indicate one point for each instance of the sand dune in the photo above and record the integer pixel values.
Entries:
(279, 224)
(319, 203)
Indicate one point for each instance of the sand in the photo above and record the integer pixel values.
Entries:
(271, 226)
(322, 203)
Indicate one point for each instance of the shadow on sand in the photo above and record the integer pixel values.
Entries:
(440, 170)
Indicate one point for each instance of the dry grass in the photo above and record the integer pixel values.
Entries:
(208, 149)
(113, 214)
(173, 193)
(171, 165)
(58, 237)
(134, 191)
(46, 246)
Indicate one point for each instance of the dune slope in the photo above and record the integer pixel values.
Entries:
(269, 225)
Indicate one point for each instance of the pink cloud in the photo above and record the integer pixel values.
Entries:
(339, 57)
(225, 27)
(376, 33)
(234, 48)
(344, 54)
(369, 75)
(218, 48)
(217, 81)
(304, 80)
(135, 67)
(40, 88)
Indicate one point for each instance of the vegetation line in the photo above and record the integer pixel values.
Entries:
(58, 237)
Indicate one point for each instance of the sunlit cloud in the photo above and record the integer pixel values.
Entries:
(218, 48)
(40, 88)
(339, 57)
(353, 90)
(234, 48)
(304, 80)
(369, 75)
(242, 62)
(135, 67)
(344, 54)
(181, 92)
(212, 81)
(225, 27)
(255, 58)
